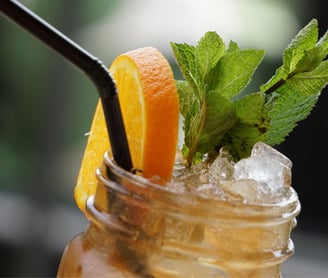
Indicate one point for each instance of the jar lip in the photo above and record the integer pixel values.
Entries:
(154, 191)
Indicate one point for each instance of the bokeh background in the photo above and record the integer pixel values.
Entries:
(46, 107)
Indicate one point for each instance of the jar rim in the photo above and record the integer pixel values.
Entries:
(150, 191)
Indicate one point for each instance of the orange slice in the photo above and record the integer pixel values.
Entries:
(150, 109)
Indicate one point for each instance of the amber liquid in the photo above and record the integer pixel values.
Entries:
(186, 250)
(81, 259)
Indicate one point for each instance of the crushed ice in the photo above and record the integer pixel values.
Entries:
(262, 177)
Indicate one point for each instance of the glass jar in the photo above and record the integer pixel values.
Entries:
(141, 229)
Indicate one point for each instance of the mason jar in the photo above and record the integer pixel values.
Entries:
(140, 228)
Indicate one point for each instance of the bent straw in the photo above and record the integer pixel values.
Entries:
(93, 67)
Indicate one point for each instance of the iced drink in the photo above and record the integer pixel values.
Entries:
(217, 219)
(229, 208)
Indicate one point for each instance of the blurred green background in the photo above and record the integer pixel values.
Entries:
(46, 107)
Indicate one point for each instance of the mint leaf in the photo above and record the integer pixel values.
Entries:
(304, 40)
(185, 56)
(208, 52)
(251, 110)
(219, 117)
(291, 100)
(233, 72)
(205, 122)
(252, 124)
(323, 43)
(190, 109)
(313, 57)
(294, 53)
(188, 101)
(233, 46)
(294, 102)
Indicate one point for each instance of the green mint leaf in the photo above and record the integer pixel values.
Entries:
(294, 101)
(323, 43)
(294, 53)
(251, 110)
(208, 52)
(313, 57)
(205, 121)
(190, 108)
(291, 99)
(304, 40)
(234, 71)
(185, 56)
(219, 117)
(233, 46)
(252, 124)
(188, 101)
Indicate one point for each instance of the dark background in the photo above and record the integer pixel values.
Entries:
(46, 106)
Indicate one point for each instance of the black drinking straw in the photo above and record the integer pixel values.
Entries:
(92, 66)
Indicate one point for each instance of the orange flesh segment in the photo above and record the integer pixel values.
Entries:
(150, 109)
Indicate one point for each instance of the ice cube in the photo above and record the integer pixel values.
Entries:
(210, 190)
(188, 179)
(267, 166)
(220, 170)
(225, 153)
(264, 150)
(244, 190)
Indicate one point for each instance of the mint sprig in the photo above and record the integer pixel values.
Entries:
(205, 100)
(295, 88)
(217, 113)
